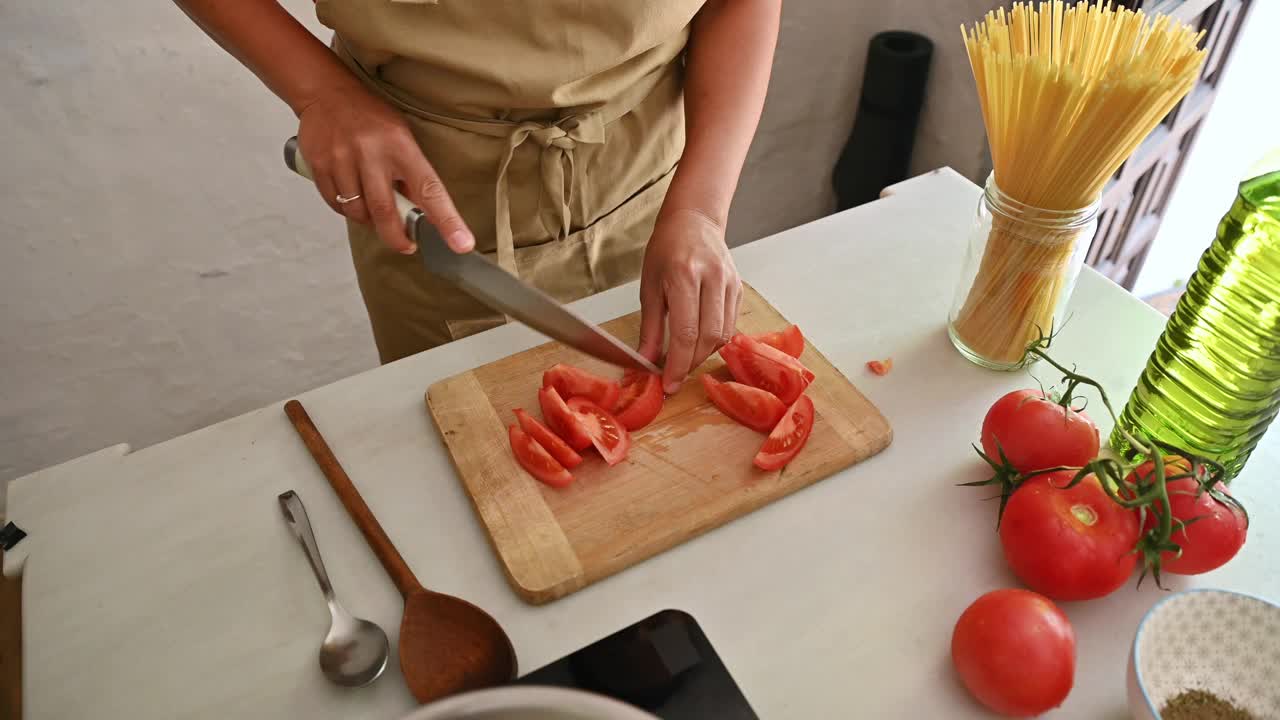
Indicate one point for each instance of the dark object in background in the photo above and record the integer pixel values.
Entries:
(642, 664)
(878, 152)
(663, 664)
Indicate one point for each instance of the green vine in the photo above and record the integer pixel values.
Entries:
(1122, 483)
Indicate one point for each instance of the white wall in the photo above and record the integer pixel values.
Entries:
(1242, 125)
(161, 270)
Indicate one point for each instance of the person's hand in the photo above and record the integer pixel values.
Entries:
(689, 281)
(359, 145)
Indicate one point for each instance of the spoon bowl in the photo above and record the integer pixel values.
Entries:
(480, 653)
(355, 651)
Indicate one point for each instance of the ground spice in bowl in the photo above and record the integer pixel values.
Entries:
(1201, 705)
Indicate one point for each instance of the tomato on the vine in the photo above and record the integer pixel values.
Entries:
(1068, 543)
(1015, 652)
(1036, 433)
(1215, 530)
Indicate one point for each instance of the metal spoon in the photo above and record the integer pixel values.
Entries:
(355, 651)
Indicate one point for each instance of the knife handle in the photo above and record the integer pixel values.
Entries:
(409, 212)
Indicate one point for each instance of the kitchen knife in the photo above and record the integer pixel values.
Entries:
(498, 289)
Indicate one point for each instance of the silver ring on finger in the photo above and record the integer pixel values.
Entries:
(344, 199)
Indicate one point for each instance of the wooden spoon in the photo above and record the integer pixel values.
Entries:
(447, 645)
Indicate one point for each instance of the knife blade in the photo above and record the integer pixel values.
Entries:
(482, 279)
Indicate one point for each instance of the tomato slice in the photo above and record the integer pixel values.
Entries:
(753, 407)
(572, 382)
(640, 401)
(606, 432)
(562, 420)
(789, 341)
(758, 365)
(551, 442)
(880, 367)
(790, 434)
(768, 351)
(535, 458)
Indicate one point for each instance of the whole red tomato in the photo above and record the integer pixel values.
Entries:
(1068, 544)
(1207, 543)
(1036, 433)
(1015, 652)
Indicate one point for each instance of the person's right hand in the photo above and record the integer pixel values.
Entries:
(357, 144)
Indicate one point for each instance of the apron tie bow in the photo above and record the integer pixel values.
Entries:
(557, 141)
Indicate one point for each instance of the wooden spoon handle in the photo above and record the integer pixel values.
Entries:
(377, 538)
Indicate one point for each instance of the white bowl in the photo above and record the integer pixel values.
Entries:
(529, 702)
(1224, 642)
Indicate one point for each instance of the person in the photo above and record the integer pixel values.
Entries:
(580, 143)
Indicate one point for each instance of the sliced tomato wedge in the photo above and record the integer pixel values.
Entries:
(563, 421)
(550, 442)
(791, 433)
(535, 458)
(753, 363)
(640, 401)
(753, 407)
(608, 434)
(572, 382)
(768, 351)
(789, 341)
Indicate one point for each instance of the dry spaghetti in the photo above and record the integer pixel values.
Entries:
(1067, 95)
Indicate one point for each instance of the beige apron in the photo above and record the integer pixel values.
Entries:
(555, 125)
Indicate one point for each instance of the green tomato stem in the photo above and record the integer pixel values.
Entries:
(1154, 498)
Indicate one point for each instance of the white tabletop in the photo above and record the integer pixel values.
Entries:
(163, 583)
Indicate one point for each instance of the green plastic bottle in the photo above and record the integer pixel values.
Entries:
(1212, 384)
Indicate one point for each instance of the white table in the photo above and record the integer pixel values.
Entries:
(164, 584)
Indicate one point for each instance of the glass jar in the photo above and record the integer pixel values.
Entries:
(1019, 269)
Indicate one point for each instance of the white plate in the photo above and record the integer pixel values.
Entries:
(529, 702)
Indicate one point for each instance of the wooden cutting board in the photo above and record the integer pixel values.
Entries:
(688, 472)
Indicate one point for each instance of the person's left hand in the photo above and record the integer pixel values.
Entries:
(690, 281)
